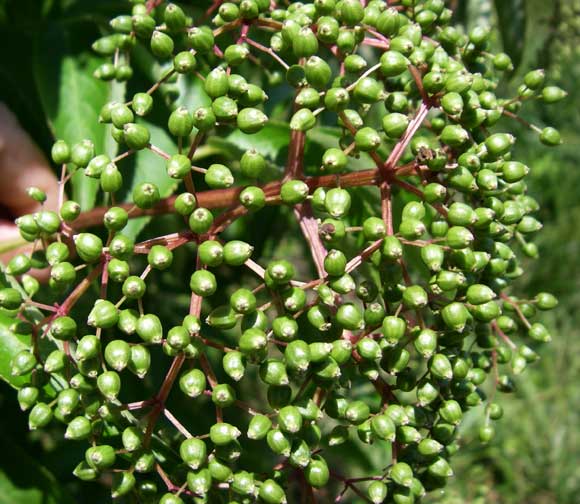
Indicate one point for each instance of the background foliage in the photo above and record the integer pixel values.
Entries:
(45, 77)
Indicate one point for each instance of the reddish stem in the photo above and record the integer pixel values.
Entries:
(309, 227)
(221, 198)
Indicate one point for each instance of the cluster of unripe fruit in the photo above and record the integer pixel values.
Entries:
(419, 333)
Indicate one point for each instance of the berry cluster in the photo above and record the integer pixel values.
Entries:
(409, 311)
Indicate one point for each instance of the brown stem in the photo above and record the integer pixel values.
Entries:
(195, 144)
(222, 198)
(375, 157)
(521, 120)
(255, 267)
(402, 144)
(177, 424)
(518, 310)
(171, 241)
(79, 290)
(503, 335)
(151, 4)
(162, 396)
(350, 485)
(176, 365)
(387, 206)
(415, 190)
(309, 227)
(155, 86)
(295, 155)
(419, 83)
(356, 261)
(269, 51)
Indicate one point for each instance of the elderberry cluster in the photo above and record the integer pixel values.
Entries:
(407, 319)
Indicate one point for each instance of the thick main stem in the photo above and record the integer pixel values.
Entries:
(222, 198)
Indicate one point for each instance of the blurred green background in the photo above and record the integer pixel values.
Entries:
(535, 458)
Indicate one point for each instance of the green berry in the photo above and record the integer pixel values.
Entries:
(272, 493)
(55, 362)
(393, 63)
(19, 264)
(40, 416)
(237, 252)
(395, 125)
(100, 457)
(103, 315)
(402, 474)
(201, 38)
(317, 72)
(185, 204)
(48, 222)
(111, 178)
(535, 79)
(180, 122)
(117, 270)
(367, 139)
(88, 246)
(553, 94)
(253, 198)
(550, 136)
(82, 153)
(317, 473)
(140, 360)
(109, 384)
(161, 45)
(368, 90)
(204, 119)
(337, 202)
(160, 257)
(203, 283)
(251, 120)
(136, 136)
(192, 383)
(79, 428)
(63, 328)
(146, 195)
(200, 220)
(115, 219)
(22, 363)
(252, 164)
(393, 329)
(259, 427)
(184, 62)
(303, 120)
(178, 166)
(60, 152)
(69, 211)
(193, 452)
(499, 144)
(222, 434)
(142, 104)
(88, 347)
(218, 176)
(305, 43)
(117, 354)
